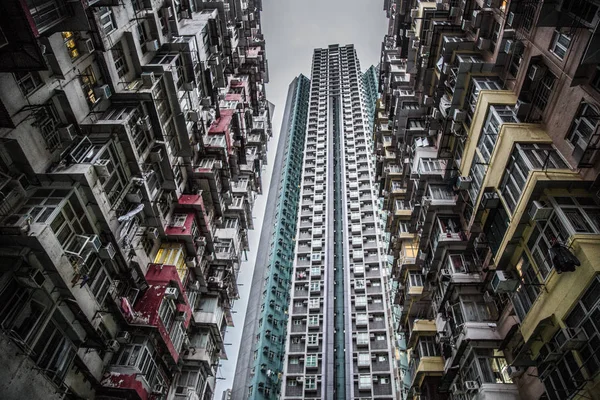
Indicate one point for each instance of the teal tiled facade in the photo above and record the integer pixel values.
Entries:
(260, 361)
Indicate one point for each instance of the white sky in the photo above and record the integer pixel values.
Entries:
(292, 29)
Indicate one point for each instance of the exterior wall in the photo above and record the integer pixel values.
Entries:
(467, 91)
(337, 247)
(133, 139)
(259, 376)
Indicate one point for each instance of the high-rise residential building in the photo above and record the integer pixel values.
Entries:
(338, 343)
(262, 349)
(370, 86)
(487, 137)
(133, 135)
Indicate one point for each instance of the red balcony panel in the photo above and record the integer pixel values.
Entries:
(184, 230)
(117, 384)
(234, 97)
(222, 126)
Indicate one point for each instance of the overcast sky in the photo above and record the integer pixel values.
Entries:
(292, 29)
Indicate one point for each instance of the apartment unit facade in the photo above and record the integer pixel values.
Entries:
(337, 343)
(262, 350)
(133, 135)
(487, 141)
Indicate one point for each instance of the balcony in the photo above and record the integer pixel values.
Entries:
(448, 233)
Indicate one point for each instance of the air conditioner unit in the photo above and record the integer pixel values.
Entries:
(195, 286)
(459, 115)
(124, 337)
(455, 127)
(436, 114)
(152, 45)
(107, 252)
(428, 100)
(503, 283)
(152, 233)
(31, 277)
(454, 388)
(171, 293)
(416, 43)
(466, 25)
(193, 116)
(414, 13)
(103, 92)
(513, 371)
(191, 262)
(490, 200)
(181, 316)
(134, 195)
(185, 14)
(159, 389)
(483, 43)
(300, 379)
(538, 212)
(157, 154)
(94, 243)
(471, 386)
(148, 79)
(101, 168)
(509, 46)
(67, 133)
(113, 346)
(464, 182)
(536, 72)
(86, 46)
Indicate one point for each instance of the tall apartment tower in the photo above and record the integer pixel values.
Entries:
(338, 334)
(487, 133)
(133, 136)
(261, 354)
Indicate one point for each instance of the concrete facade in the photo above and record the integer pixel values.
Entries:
(338, 341)
(487, 140)
(133, 138)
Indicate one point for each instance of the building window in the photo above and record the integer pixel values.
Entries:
(586, 315)
(415, 279)
(583, 128)
(485, 366)
(524, 159)
(47, 13)
(119, 59)
(311, 360)
(542, 91)
(140, 354)
(178, 220)
(541, 239)
(497, 116)
(28, 82)
(88, 83)
(560, 44)
(71, 39)
(142, 37)
(166, 312)
(427, 347)
(528, 292)
(310, 383)
(47, 120)
(106, 20)
(313, 339)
